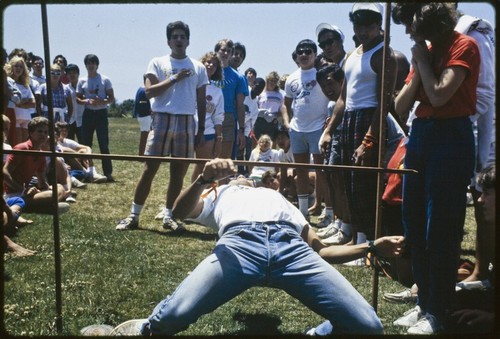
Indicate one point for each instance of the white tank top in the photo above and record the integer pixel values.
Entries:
(361, 80)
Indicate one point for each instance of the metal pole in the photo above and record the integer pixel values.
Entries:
(385, 99)
(52, 178)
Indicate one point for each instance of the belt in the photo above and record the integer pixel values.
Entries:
(259, 225)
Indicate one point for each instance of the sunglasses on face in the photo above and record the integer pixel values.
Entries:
(55, 73)
(326, 43)
(306, 51)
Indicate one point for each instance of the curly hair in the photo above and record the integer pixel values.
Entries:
(24, 78)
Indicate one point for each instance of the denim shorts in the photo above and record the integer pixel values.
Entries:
(305, 142)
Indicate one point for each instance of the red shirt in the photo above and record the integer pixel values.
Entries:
(462, 51)
(26, 165)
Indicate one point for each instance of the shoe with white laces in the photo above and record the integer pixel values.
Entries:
(410, 317)
(327, 220)
(170, 223)
(129, 223)
(338, 238)
(329, 230)
(405, 296)
(427, 324)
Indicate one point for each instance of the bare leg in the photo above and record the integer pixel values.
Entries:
(177, 173)
(142, 142)
(16, 249)
(144, 185)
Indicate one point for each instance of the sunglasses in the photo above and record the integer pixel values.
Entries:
(306, 51)
(325, 43)
(55, 73)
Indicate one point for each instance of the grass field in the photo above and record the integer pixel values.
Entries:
(109, 277)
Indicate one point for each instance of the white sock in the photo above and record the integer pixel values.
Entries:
(361, 238)
(167, 213)
(303, 203)
(92, 169)
(136, 209)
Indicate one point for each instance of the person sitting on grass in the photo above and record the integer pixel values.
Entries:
(19, 170)
(266, 243)
(10, 218)
(263, 152)
(66, 145)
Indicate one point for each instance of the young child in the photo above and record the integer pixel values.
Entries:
(263, 152)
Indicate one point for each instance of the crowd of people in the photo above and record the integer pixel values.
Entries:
(439, 121)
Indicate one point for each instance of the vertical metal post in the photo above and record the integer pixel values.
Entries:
(385, 99)
(52, 178)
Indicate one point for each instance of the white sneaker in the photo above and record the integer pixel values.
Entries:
(427, 324)
(329, 230)
(174, 225)
(62, 207)
(338, 238)
(160, 215)
(405, 296)
(355, 262)
(410, 317)
(98, 178)
(129, 328)
(327, 220)
(77, 183)
(322, 215)
(71, 199)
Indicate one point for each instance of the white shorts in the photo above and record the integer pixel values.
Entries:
(145, 123)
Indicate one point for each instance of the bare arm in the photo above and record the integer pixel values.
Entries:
(286, 112)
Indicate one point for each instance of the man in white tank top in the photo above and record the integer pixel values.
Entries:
(357, 110)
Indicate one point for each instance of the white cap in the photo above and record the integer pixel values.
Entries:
(368, 6)
(325, 26)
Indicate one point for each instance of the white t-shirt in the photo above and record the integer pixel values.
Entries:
(309, 104)
(286, 156)
(24, 113)
(271, 101)
(271, 155)
(251, 112)
(181, 97)
(254, 204)
(215, 109)
(78, 109)
(69, 143)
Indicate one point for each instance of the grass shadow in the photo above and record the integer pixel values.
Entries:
(256, 324)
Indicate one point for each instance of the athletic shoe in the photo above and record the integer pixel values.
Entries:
(169, 223)
(62, 207)
(71, 198)
(109, 178)
(129, 223)
(327, 220)
(322, 215)
(77, 183)
(401, 297)
(329, 230)
(410, 317)
(338, 238)
(96, 330)
(356, 262)
(98, 178)
(310, 332)
(129, 328)
(427, 324)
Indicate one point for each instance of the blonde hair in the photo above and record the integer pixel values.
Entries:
(274, 76)
(24, 79)
(263, 138)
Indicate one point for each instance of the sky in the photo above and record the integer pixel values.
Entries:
(126, 36)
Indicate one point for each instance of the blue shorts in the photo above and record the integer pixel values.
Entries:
(305, 142)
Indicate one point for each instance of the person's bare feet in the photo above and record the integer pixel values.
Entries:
(22, 222)
(17, 250)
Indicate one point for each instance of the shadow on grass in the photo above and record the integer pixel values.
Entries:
(256, 324)
(185, 234)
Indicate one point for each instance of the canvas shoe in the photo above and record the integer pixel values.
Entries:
(338, 238)
(410, 317)
(77, 183)
(96, 330)
(169, 223)
(329, 230)
(129, 328)
(62, 207)
(327, 220)
(98, 178)
(129, 223)
(427, 324)
(356, 262)
(405, 296)
(71, 198)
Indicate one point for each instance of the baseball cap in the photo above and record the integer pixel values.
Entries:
(328, 27)
(368, 6)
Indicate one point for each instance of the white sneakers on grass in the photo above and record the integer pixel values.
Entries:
(418, 322)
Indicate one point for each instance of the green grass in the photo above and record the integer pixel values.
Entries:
(109, 277)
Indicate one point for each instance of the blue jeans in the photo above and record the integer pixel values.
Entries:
(272, 255)
(97, 120)
(434, 203)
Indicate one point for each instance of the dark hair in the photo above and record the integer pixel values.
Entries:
(177, 25)
(268, 176)
(59, 125)
(72, 67)
(402, 13)
(65, 62)
(282, 131)
(338, 73)
(336, 35)
(239, 46)
(294, 56)
(91, 58)
(258, 87)
(487, 177)
(435, 18)
(365, 17)
(251, 70)
(227, 42)
(36, 122)
(307, 43)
